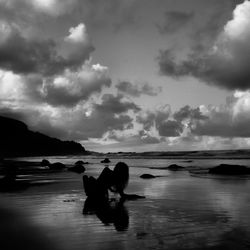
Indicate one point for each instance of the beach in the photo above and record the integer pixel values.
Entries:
(181, 210)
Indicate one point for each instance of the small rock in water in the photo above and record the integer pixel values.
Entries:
(77, 169)
(57, 166)
(175, 167)
(106, 160)
(45, 163)
(147, 176)
(79, 163)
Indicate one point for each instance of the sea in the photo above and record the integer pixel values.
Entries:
(188, 209)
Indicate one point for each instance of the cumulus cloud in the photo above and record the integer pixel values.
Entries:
(230, 120)
(116, 14)
(26, 55)
(154, 118)
(188, 124)
(93, 122)
(160, 120)
(58, 73)
(23, 56)
(77, 34)
(72, 87)
(115, 105)
(67, 89)
(137, 90)
(205, 127)
(203, 36)
(170, 128)
(136, 139)
(187, 112)
(82, 122)
(53, 8)
(226, 64)
(147, 138)
(51, 83)
(77, 46)
(174, 21)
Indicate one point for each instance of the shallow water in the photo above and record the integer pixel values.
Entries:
(181, 211)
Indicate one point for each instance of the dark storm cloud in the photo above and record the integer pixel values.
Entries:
(73, 88)
(136, 90)
(115, 105)
(203, 36)
(30, 10)
(187, 112)
(167, 124)
(96, 13)
(223, 124)
(174, 21)
(170, 128)
(66, 90)
(211, 68)
(225, 64)
(28, 55)
(154, 118)
(110, 114)
(147, 120)
(77, 124)
(22, 56)
(160, 120)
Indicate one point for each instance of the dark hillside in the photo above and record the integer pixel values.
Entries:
(17, 140)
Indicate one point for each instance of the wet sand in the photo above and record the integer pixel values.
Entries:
(181, 211)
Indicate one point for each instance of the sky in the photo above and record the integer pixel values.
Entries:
(129, 75)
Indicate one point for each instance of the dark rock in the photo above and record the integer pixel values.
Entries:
(175, 167)
(77, 169)
(227, 169)
(147, 176)
(79, 162)
(106, 160)
(45, 163)
(57, 166)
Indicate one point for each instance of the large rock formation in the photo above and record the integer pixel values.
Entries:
(226, 169)
(18, 140)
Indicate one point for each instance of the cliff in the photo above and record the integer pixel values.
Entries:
(17, 140)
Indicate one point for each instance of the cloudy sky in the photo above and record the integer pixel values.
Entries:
(129, 75)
